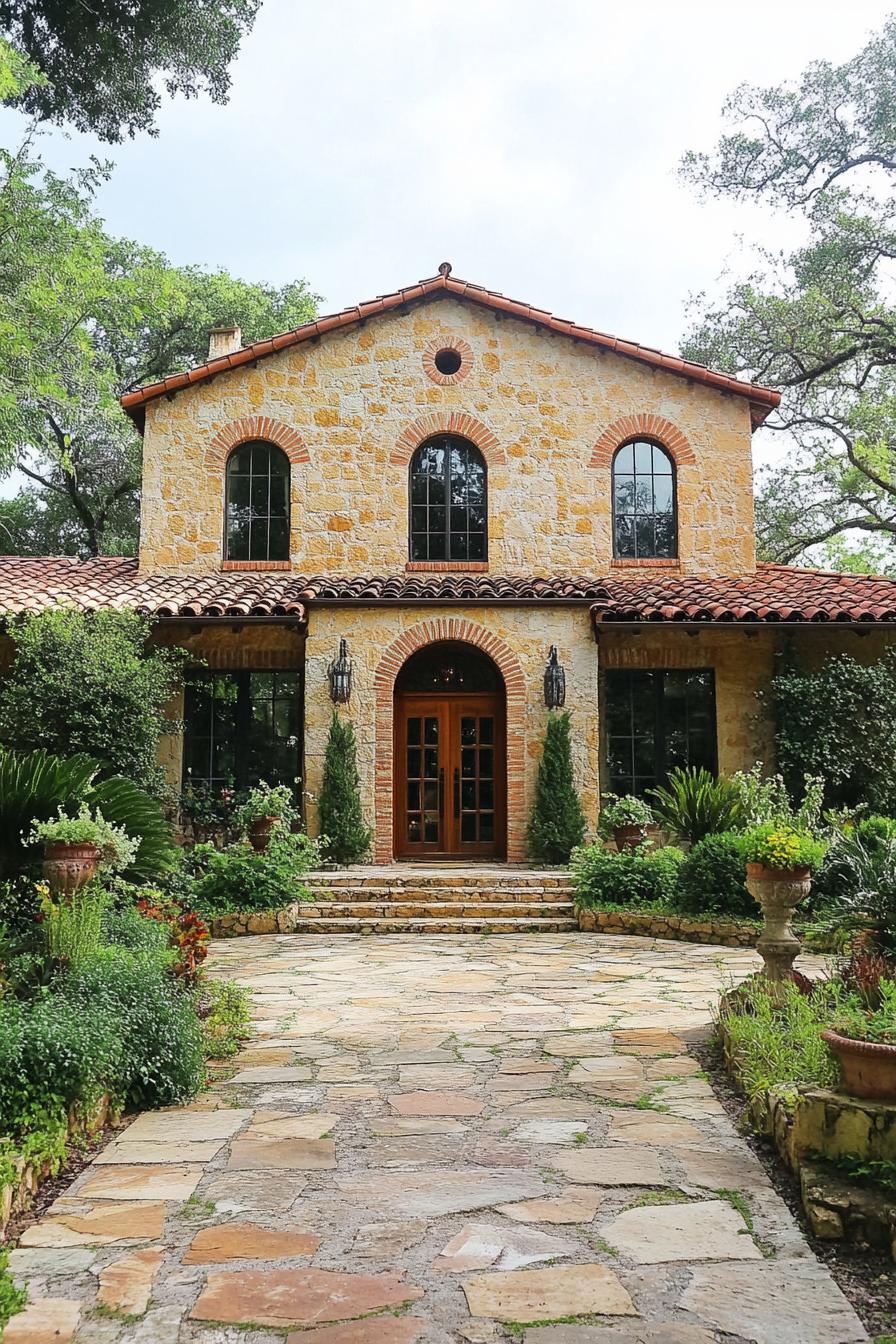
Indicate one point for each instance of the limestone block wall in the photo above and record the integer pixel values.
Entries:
(518, 639)
(350, 409)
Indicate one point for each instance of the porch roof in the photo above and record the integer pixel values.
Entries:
(774, 594)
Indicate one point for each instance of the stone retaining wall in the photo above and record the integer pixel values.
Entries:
(812, 1126)
(722, 932)
(16, 1196)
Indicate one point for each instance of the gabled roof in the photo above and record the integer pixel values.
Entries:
(773, 595)
(762, 399)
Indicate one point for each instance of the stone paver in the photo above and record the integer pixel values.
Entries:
(429, 1137)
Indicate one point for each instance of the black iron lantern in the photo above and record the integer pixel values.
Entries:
(340, 675)
(554, 682)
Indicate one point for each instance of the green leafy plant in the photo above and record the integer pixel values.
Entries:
(633, 878)
(12, 1299)
(225, 1018)
(858, 895)
(767, 798)
(345, 835)
(694, 804)
(711, 879)
(89, 682)
(861, 1023)
(240, 879)
(117, 849)
(782, 847)
(774, 1044)
(624, 811)
(73, 925)
(35, 785)
(557, 824)
(265, 800)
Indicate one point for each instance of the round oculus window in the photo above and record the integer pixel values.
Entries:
(448, 361)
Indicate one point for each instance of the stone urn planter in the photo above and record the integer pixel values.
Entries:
(629, 837)
(260, 829)
(867, 1068)
(68, 866)
(778, 891)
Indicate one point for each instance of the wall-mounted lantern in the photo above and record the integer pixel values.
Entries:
(554, 682)
(340, 675)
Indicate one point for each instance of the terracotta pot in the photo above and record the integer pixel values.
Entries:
(629, 837)
(67, 867)
(778, 891)
(260, 832)
(867, 1069)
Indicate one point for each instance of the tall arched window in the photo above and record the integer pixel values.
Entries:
(644, 511)
(448, 501)
(257, 508)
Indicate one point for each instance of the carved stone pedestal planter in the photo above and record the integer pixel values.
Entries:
(67, 866)
(778, 891)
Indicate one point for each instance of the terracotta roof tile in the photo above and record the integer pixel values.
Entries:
(774, 593)
(762, 399)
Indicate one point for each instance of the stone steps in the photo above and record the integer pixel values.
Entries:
(471, 908)
(326, 922)
(459, 894)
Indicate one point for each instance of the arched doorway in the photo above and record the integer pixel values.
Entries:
(450, 786)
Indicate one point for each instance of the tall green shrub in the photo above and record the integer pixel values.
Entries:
(86, 682)
(839, 721)
(557, 823)
(342, 822)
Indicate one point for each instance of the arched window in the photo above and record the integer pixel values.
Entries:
(257, 508)
(448, 501)
(644, 516)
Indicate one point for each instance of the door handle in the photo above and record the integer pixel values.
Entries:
(442, 792)
(456, 793)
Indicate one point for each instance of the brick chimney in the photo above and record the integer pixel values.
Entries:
(224, 341)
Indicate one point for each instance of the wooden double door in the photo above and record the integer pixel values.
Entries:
(450, 776)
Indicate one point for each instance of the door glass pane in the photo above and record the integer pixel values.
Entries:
(468, 826)
(468, 731)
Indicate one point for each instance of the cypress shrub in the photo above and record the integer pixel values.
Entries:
(346, 835)
(557, 824)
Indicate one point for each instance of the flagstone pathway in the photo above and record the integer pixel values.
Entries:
(440, 1139)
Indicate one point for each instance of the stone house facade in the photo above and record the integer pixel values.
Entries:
(453, 484)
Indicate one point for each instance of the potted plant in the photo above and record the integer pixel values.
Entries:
(76, 847)
(626, 819)
(863, 1041)
(266, 806)
(780, 860)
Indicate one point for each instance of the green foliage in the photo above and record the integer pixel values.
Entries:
(125, 926)
(73, 926)
(839, 722)
(12, 1299)
(626, 811)
(694, 803)
(817, 321)
(777, 846)
(861, 1023)
(634, 878)
(711, 879)
(557, 824)
(34, 785)
(86, 682)
(160, 1060)
(226, 1024)
(346, 835)
(766, 798)
(773, 1045)
(117, 849)
(265, 800)
(102, 69)
(238, 878)
(858, 895)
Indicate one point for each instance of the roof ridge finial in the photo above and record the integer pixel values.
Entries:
(445, 269)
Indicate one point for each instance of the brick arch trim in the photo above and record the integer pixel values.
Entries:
(651, 427)
(254, 427)
(395, 656)
(448, 422)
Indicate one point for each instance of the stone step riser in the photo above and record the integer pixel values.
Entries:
(437, 910)
(325, 925)
(420, 880)
(429, 894)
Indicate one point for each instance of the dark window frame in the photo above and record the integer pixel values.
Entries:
(661, 762)
(275, 455)
(243, 777)
(472, 451)
(660, 447)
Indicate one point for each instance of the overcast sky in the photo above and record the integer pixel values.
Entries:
(534, 145)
